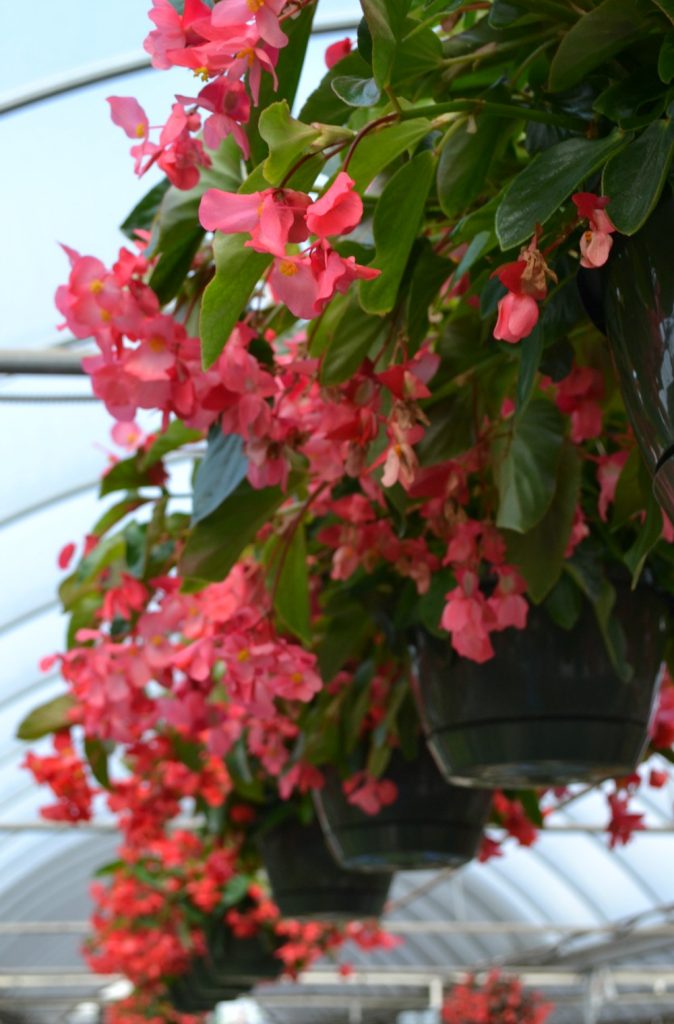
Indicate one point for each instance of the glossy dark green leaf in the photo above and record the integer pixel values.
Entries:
(324, 105)
(633, 102)
(635, 177)
(633, 491)
(143, 214)
(564, 602)
(648, 536)
(50, 717)
(385, 20)
(220, 473)
(291, 586)
(465, 161)
(356, 92)
(531, 350)
(430, 271)
(539, 553)
(216, 542)
(666, 59)
(540, 189)
(451, 429)
(418, 52)
(397, 219)
(598, 35)
(378, 149)
(287, 138)
(351, 338)
(525, 466)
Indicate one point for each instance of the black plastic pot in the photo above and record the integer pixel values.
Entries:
(638, 295)
(549, 708)
(431, 823)
(230, 968)
(307, 882)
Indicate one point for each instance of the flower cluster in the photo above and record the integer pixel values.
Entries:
(276, 218)
(222, 43)
(498, 1000)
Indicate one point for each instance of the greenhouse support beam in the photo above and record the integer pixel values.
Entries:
(41, 362)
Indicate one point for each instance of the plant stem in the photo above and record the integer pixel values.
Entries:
(479, 106)
(369, 127)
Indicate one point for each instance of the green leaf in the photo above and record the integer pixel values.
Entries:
(287, 139)
(539, 553)
(220, 473)
(397, 219)
(598, 35)
(356, 92)
(125, 475)
(237, 271)
(540, 189)
(324, 105)
(351, 338)
(564, 602)
(291, 598)
(175, 436)
(429, 273)
(216, 542)
(451, 429)
(385, 20)
(648, 536)
(178, 233)
(531, 350)
(378, 149)
(116, 513)
(591, 580)
(526, 466)
(288, 70)
(97, 753)
(50, 717)
(666, 59)
(634, 179)
(465, 161)
(667, 8)
(143, 214)
(633, 491)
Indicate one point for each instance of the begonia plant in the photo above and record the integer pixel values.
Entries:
(364, 318)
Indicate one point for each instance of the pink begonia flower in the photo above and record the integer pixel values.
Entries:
(171, 42)
(238, 51)
(272, 218)
(517, 317)
(229, 106)
(338, 210)
(128, 435)
(65, 556)
(301, 777)
(469, 619)
(623, 823)
(608, 473)
(337, 51)
(265, 12)
(526, 281)
(578, 395)
(596, 242)
(579, 531)
(127, 113)
(368, 793)
(509, 607)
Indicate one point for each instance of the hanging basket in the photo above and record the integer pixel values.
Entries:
(230, 968)
(638, 299)
(307, 882)
(431, 824)
(549, 708)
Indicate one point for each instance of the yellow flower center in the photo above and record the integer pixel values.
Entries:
(201, 73)
(96, 286)
(243, 655)
(157, 344)
(140, 130)
(254, 5)
(247, 54)
(287, 268)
